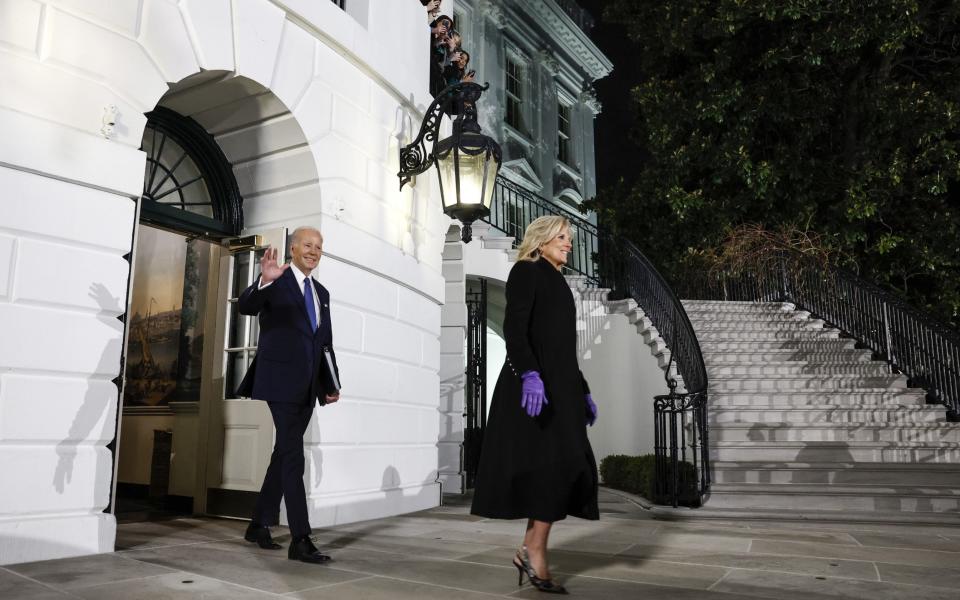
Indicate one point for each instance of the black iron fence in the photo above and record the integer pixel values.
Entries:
(606, 260)
(911, 341)
(475, 394)
(514, 208)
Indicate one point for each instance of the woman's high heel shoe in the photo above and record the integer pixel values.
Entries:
(522, 562)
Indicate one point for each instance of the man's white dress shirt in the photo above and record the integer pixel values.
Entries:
(301, 277)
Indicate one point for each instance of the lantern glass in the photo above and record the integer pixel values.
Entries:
(467, 181)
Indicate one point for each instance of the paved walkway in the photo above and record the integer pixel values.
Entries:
(446, 553)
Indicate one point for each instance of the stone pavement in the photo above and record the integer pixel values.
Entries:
(446, 553)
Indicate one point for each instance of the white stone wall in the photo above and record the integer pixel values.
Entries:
(351, 84)
(623, 375)
(62, 285)
(453, 363)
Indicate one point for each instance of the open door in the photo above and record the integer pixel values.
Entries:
(239, 431)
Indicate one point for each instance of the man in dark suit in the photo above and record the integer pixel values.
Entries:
(294, 367)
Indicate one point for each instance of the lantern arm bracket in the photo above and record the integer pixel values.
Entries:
(414, 158)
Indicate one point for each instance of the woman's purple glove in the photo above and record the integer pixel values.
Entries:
(591, 410)
(533, 394)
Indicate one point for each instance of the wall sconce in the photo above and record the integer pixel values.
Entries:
(467, 162)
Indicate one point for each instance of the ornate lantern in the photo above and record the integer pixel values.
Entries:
(467, 162)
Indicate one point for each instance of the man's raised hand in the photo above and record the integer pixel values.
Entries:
(269, 269)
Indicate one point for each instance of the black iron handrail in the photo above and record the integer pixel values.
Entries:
(911, 341)
(513, 208)
(609, 261)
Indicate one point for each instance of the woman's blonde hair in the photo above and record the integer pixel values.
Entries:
(538, 233)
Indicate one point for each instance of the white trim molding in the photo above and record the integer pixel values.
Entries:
(566, 34)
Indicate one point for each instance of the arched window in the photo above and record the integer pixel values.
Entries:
(188, 184)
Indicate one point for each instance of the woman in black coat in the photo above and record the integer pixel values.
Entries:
(536, 462)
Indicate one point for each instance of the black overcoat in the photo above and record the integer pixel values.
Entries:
(538, 467)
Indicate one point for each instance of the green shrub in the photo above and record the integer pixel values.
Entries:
(635, 475)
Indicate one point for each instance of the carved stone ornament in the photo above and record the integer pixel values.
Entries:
(589, 98)
(548, 61)
(494, 12)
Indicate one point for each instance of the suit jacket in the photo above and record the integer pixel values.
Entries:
(290, 365)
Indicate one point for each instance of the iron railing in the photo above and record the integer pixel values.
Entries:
(513, 208)
(681, 435)
(609, 261)
(475, 396)
(911, 341)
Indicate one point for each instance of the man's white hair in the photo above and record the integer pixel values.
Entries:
(295, 236)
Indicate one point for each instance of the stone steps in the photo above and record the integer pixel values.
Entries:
(722, 357)
(855, 498)
(768, 335)
(793, 368)
(825, 399)
(804, 452)
(834, 432)
(818, 414)
(842, 473)
(810, 514)
(760, 326)
(822, 345)
(735, 383)
(801, 420)
(706, 317)
(734, 305)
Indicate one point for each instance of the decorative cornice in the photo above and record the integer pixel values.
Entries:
(521, 172)
(569, 36)
(494, 12)
(546, 59)
(589, 98)
(575, 177)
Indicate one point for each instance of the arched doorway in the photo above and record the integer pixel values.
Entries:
(217, 145)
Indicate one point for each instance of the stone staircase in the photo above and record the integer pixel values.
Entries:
(801, 421)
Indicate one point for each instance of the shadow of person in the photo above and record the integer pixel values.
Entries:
(100, 400)
(811, 470)
(391, 485)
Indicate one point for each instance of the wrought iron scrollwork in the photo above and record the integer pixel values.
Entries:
(476, 378)
(414, 157)
(680, 446)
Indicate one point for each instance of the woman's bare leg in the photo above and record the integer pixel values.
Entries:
(535, 540)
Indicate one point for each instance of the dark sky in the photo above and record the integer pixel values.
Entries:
(615, 156)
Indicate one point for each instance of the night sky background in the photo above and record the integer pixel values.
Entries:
(616, 157)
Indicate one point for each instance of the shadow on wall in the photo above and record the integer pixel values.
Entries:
(623, 373)
(452, 397)
(99, 404)
(356, 533)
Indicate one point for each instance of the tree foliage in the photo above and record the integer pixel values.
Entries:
(835, 116)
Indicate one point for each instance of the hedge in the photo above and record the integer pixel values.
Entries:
(635, 474)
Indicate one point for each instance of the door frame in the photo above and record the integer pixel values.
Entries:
(211, 381)
(211, 443)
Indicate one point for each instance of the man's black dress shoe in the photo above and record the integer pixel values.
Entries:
(302, 549)
(261, 536)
